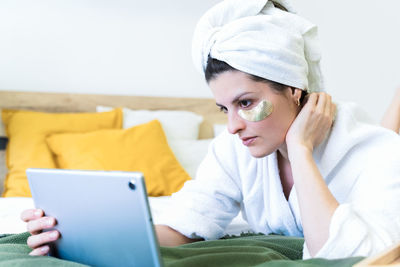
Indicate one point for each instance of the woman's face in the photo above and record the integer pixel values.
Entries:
(235, 90)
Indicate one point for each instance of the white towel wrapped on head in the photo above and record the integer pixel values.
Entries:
(255, 37)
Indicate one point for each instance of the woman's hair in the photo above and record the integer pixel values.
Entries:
(215, 67)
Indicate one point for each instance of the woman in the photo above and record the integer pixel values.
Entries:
(290, 162)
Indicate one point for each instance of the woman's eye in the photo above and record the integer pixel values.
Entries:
(223, 109)
(245, 103)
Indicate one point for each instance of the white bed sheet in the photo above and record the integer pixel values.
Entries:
(11, 208)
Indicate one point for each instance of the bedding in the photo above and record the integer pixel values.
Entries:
(199, 109)
(181, 129)
(141, 148)
(27, 130)
(253, 250)
(189, 154)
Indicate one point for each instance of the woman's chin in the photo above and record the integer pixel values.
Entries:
(258, 152)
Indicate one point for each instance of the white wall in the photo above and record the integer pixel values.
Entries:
(100, 46)
(143, 47)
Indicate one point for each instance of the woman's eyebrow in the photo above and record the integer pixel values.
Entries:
(236, 99)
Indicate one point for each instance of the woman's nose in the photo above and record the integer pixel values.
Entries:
(235, 123)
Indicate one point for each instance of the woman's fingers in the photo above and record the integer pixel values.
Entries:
(325, 109)
(37, 241)
(321, 104)
(31, 214)
(40, 251)
(324, 104)
(311, 100)
(37, 225)
(313, 122)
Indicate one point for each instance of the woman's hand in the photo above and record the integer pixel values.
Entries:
(312, 124)
(316, 202)
(36, 223)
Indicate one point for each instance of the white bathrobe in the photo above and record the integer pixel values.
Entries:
(360, 163)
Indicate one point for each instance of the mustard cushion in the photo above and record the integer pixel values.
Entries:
(141, 148)
(27, 148)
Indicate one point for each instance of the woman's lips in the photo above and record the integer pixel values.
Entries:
(248, 140)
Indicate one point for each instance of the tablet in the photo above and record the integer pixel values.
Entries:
(103, 216)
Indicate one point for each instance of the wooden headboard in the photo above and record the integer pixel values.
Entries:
(61, 102)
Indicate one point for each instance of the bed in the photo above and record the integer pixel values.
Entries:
(188, 144)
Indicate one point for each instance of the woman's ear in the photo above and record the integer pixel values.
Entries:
(296, 95)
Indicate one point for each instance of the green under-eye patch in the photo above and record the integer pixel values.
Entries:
(258, 113)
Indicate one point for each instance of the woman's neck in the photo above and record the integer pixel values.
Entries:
(283, 152)
(285, 172)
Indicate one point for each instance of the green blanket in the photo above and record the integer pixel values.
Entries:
(253, 250)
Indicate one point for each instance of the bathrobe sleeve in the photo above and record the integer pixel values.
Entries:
(205, 206)
(369, 220)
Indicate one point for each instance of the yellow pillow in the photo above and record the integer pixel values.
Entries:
(27, 148)
(141, 148)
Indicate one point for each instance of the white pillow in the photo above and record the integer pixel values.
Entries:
(177, 125)
(190, 153)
